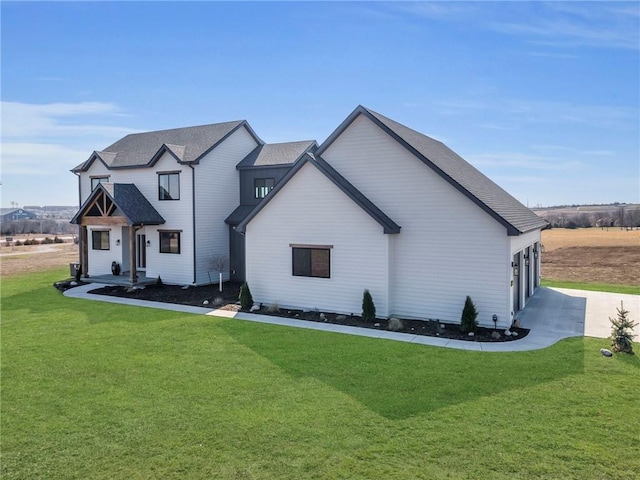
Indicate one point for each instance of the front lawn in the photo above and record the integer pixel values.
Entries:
(594, 287)
(93, 390)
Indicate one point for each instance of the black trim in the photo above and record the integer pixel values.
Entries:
(389, 226)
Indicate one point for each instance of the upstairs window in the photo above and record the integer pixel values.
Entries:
(95, 181)
(311, 261)
(262, 186)
(169, 186)
(100, 240)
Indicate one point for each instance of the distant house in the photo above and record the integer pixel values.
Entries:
(377, 206)
(382, 207)
(16, 214)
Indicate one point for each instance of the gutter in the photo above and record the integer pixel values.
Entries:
(193, 217)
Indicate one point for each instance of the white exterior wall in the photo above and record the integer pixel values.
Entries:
(172, 268)
(311, 210)
(448, 247)
(100, 260)
(217, 195)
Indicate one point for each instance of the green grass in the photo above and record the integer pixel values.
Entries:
(100, 391)
(594, 287)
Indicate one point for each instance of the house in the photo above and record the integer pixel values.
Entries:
(16, 214)
(382, 207)
(377, 206)
(155, 203)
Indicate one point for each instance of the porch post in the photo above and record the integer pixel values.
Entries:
(84, 251)
(133, 276)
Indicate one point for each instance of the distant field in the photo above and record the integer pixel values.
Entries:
(591, 255)
(35, 258)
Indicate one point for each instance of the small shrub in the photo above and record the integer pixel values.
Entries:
(217, 301)
(47, 241)
(18, 243)
(57, 239)
(246, 300)
(395, 324)
(273, 308)
(469, 314)
(621, 337)
(368, 307)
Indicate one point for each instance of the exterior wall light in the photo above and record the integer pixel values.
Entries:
(148, 243)
(117, 242)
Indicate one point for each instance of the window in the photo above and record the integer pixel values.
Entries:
(312, 261)
(169, 242)
(95, 181)
(262, 186)
(169, 186)
(100, 239)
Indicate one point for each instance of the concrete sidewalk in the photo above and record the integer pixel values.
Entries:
(551, 315)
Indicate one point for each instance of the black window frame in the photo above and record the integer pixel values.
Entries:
(95, 181)
(303, 263)
(167, 192)
(262, 186)
(163, 243)
(98, 240)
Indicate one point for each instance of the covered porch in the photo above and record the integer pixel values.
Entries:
(121, 207)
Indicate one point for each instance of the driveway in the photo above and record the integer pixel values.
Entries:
(561, 313)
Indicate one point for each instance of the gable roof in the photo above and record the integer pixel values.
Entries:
(186, 145)
(489, 196)
(272, 154)
(132, 203)
(388, 225)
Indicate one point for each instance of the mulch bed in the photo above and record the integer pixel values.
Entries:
(209, 296)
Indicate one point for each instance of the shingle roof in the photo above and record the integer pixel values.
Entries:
(187, 145)
(131, 202)
(239, 214)
(277, 154)
(388, 225)
(453, 168)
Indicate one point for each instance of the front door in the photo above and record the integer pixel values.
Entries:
(141, 251)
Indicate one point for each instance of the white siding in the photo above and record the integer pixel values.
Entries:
(100, 260)
(217, 195)
(310, 209)
(518, 245)
(172, 268)
(448, 247)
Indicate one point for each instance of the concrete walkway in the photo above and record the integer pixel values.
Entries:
(551, 315)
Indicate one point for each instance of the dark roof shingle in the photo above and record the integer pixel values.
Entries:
(187, 144)
(457, 171)
(277, 154)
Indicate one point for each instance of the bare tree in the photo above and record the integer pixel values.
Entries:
(219, 264)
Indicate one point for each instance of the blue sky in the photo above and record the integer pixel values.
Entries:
(544, 98)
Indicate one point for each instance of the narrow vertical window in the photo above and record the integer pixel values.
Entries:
(262, 186)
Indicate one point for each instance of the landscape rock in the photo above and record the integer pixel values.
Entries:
(471, 334)
(323, 316)
(376, 324)
(507, 333)
(496, 335)
(514, 334)
(606, 353)
(206, 302)
(73, 283)
(341, 318)
(254, 308)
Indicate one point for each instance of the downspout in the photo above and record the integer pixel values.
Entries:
(193, 215)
